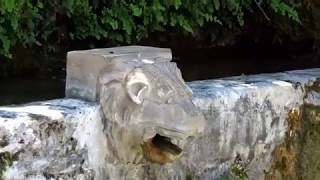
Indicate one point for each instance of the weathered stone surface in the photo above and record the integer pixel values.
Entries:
(47, 140)
(147, 114)
(261, 126)
(85, 67)
(249, 118)
(148, 118)
(67, 139)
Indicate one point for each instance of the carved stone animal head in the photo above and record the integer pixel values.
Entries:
(149, 114)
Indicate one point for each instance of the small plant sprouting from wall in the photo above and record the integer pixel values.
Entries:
(237, 171)
(239, 168)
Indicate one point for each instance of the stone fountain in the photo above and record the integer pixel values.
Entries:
(128, 114)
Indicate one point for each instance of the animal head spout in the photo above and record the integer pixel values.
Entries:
(149, 112)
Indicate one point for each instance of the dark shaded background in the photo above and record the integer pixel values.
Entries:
(46, 80)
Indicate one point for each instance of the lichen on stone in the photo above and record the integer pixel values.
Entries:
(315, 86)
(297, 157)
(309, 150)
(5, 161)
(285, 155)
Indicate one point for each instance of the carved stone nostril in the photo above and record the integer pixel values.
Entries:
(160, 149)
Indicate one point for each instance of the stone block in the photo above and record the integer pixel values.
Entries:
(48, 140)
(84, 67)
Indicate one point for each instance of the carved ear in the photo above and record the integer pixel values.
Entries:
(137, 86)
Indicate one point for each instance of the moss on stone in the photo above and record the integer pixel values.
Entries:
(308, 166)
(285, 155)
(314, 87)
(298, 157)
(192, 177)
(5, 161)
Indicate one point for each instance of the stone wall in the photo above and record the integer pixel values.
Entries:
(256, 127)
(261, 123)
(47, 140)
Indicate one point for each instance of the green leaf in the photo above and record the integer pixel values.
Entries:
(184, 23)
(173, 20)
(137, 11)
(6, 44)
(14, 24)
(126, 25)
(187, 27)
(200, 21)
(159, 16)
(114, 24)
(284, 9)
(177, 3)
(9, 5)
(216, 4)
(40, 4)
(69, 5)
(156, 5)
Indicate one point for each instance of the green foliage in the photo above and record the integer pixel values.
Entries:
(285, 9)
(239, 168)
(25, 22)
(48, 23)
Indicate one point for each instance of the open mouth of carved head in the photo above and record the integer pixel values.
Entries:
(161, 149)
(163, 146)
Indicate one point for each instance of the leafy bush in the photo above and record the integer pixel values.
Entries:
(48, 23)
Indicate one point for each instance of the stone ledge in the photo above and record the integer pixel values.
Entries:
(251, 122)
(46, 140)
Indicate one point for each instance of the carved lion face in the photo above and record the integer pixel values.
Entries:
(149, 111)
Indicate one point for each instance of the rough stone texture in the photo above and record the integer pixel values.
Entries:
(145, 126)
(85, 67)
(262, 126)
(47, 140)
(148, 114)
(66, 139)
(146, 105)
(252, 125)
